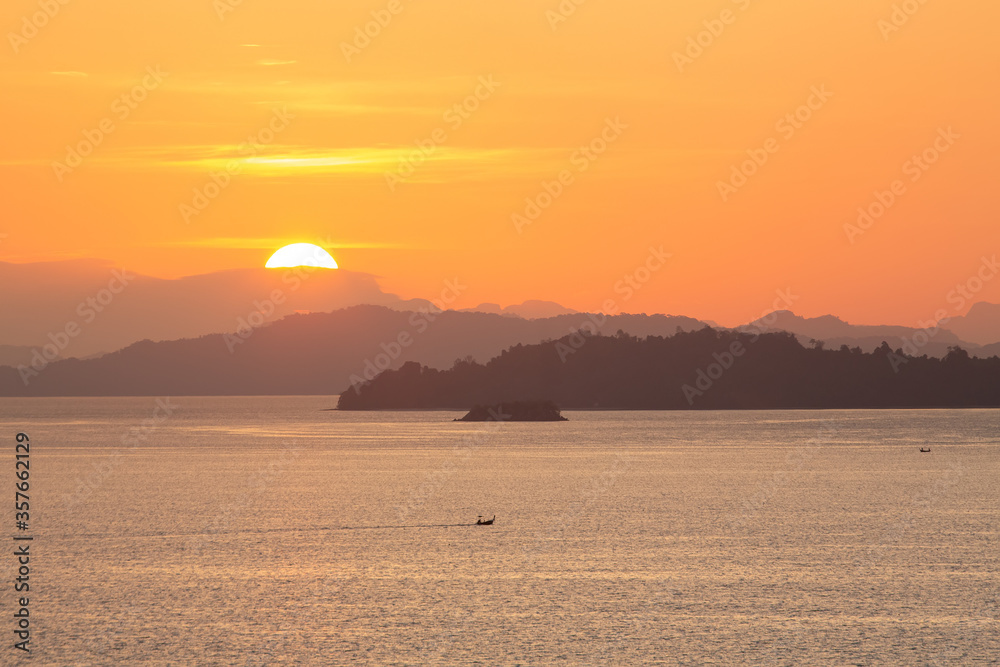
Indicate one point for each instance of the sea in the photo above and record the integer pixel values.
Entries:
(278, 531)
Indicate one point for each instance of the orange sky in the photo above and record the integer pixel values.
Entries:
(331, 123)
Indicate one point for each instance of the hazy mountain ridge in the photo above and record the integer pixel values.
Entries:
(829, 327)
(110, 307)
(316, 353)
(980, 325)
(532, 309)
(322, 353)
(14, 355)
(80, 308)
(835, 332)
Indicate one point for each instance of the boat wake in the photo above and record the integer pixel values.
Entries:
(420, 525)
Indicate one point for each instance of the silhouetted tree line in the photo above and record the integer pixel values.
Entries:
(704, 369)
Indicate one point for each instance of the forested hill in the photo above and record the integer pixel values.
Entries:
(704, 369)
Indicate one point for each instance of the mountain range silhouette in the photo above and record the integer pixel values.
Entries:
(326, 353)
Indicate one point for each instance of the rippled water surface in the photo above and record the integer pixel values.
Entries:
(253, 531)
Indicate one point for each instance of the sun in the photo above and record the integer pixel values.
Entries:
(301, 254)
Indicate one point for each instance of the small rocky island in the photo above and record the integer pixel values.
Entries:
(515, 411)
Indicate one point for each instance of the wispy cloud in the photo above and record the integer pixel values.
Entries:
(275, 160)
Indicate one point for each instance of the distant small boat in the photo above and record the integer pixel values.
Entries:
(484, 522)
(925, 450)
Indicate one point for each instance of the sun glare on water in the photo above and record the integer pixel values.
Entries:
(301, 254)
